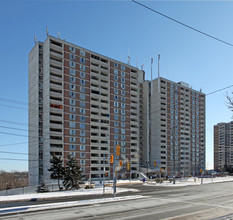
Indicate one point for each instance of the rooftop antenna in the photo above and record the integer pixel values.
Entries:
(128, 58)
(34, 38)
(58, 35)
(158, 74)
(47, 31)
(142, 66)
(137, 62)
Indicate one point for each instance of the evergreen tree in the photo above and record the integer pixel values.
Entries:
(56, 169)
(72, 174)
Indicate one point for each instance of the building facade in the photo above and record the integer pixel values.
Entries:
(83, 104)
(174, 128)
(223, 146)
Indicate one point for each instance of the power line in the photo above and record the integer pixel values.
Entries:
(13, 101)
(9, 106)
(3, 145)
(219, 90)
(181, 23)
(17, 159)
(7, 152)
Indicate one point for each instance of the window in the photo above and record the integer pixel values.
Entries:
(115, 91)
(82, 126)
(122, 131)
(116, 78)
(72, 124)
(72, 154)
(72, 102)
(123, 99)
(82, 155)
(116, 130)
(82, 53)
(82, 104)
(72, 94)
(82, 60)
(82, 111)
(72, 147)
(72, 49)
(116, 97)
(122, 137)
(116, 117)
(122, 80)
(123, 124)
(72, 132)
(82, 67)
(116, 65)
(72, 57)
(72, 139)
(116, 123)
(82, 140)
(116, 110)
(122, 67)
(82, 89)
(115, 84)
(116, 104)
(122, 105)
(72, 117)
(82, 162)
(122, 118)
(82, 82)
(122, 86)
(72, 79)
(72, 109)
(122, 92)
(115, 72)
(82, 147)
(123, 74)
(82, 96)
(82, 74)
(72, 72)
(122, 111)
(72, 64)
(82, 118)
(116, 137)
(72, 87)
(82, 133)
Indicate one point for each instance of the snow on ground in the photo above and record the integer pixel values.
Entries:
(192, 181)
(98, 190)
(80, 192)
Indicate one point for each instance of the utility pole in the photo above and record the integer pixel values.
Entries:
(104, 176)
(114, 172)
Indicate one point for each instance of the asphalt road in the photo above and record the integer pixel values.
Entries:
(210, 201)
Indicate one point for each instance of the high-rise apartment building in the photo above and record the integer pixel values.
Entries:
(223, 146)
(83, 104)
(174, 127)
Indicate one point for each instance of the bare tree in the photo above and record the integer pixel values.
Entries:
(14, 179)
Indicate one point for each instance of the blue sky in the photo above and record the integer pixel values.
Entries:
(116, 28)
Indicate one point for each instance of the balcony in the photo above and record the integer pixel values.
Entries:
(55, 47)
(55, 70)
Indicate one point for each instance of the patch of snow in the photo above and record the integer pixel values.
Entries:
(80, 192)
(191, 181)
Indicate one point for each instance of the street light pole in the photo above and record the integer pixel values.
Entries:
(147, 167)
(104, 176)
(114, 172)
